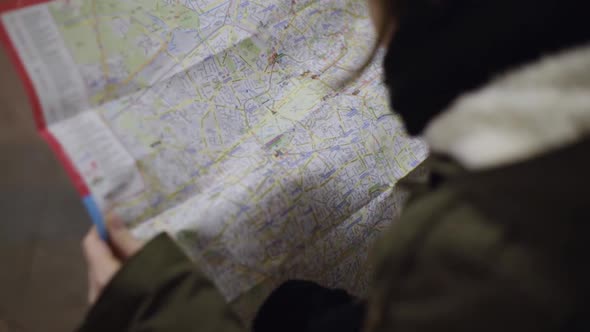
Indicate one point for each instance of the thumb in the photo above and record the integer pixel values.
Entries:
(121, 240)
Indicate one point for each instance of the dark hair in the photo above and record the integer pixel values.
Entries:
(389, 8)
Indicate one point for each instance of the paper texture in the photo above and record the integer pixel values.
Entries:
(221, 122)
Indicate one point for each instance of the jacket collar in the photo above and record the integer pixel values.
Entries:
(527, 112)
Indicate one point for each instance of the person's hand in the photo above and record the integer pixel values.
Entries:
(105, 259)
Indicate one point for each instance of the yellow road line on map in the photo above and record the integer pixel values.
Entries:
(103, 59)
(147, 63)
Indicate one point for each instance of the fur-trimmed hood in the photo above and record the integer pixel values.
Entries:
(521, 114)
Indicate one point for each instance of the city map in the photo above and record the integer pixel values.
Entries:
(223, 123)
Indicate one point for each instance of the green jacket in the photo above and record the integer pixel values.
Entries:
(500, 250)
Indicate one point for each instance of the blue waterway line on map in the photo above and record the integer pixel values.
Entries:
(95, 216)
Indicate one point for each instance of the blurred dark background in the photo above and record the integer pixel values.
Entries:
(42, 221)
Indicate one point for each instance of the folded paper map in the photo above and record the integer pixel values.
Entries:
(224, 123)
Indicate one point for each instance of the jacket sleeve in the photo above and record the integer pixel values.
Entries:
(160, 289)
(446, 266)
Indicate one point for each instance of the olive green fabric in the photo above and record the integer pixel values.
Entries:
(160, 290)
(497, 250)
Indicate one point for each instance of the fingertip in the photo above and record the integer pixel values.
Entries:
(89, 237)
(114, 222)
(94, 247)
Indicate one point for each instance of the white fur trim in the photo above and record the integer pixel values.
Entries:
(522, 114)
